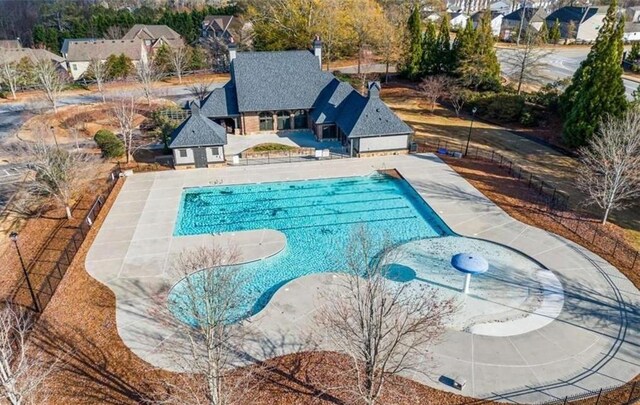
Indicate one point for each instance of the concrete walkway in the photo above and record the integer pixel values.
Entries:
(593, 342)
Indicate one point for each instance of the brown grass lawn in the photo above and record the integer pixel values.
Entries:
(554, 167)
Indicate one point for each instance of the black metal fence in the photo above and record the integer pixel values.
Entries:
(286, 157)
(625, 394)
(52, 279)
(553, 200)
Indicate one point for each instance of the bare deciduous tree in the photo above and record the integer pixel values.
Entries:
(9, 74)
(147, 74)
(179, 58)
(51, 80)
(434, 88)
(213, 305)
(97, 70)
(114, 32)
(59, 174)
(200, 90)
(457, 97)
(123, 113)
(610, 169)
(378, 323)
(22, 374)
(526, 62)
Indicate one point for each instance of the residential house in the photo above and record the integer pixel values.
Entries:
(219, 26)
(468, 6)
(198, 142)
(581, 24)
(80, 53)
(10, 44)
(632, 25)
(15, 55)
(523, 17)
(288, 90)
(458, 21)
(154, 36)
(496, 21)
(501, 6)
(433, 17)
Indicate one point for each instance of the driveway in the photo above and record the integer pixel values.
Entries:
(303, 139)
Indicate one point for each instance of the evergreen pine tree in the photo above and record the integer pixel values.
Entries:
(596, 89)
(554, 34)
(487, 52)
(543, 33)
(429, 65)
(478, 65)
(443, 46)
(414, 54)
(463, 45)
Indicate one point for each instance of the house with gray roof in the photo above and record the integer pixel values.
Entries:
(288, 90)
(198, 141)
(154, 36)
(78, 53)
(581, 24)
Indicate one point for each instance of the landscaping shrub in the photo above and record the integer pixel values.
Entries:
(110, 145)
(528, 118)
(501, 107)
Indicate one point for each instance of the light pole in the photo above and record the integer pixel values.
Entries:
(473, 115)
(14, 238)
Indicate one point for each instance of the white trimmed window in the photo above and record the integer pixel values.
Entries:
(215, 151)
(183, 153)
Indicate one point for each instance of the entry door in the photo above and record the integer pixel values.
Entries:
(200, 157)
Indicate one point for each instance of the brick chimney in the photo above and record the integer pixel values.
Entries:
(317, 49)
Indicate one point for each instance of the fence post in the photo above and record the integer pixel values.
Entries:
(635, 259)
(599, 394)
(530, 177)
(614, 248)
(633, 388)
(493, 152)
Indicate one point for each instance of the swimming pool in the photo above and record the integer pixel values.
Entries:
(316, 216)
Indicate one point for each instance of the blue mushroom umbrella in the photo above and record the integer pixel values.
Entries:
(469, 263)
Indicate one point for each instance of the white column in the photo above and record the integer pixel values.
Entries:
(467, 281)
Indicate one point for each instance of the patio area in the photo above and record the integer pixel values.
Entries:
(301, 138)
(588, 341)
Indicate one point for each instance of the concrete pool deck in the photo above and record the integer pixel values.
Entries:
(594, 342)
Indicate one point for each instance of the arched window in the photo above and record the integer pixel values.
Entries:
(300, 119)
(284, 120)
(266, 121)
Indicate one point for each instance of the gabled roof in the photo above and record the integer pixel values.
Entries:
(65, 44)
(217, 22)
(85, 50)
(221, 102)
(476, 17)
(527, 12)
(10, 44)
(575, 14)
(144, 31)
(456, 15)
(364, 117)
(326, 108)
(34, 55)
(198, 130)
(285, 80)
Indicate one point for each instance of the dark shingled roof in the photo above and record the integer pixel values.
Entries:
(286, 80)
(221, 102)
(198, 130)
(328, 103)
(362, 117)
(568, 14)
(528, 12)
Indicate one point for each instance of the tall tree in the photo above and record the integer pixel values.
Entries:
(97, 71)
(443, 46)
(429, 65)
(596, 90)
(554, 34)
(525, 63)
(51, 81)
(9, 74)
(477, 63)
(413, 61)
(543, 34)
(610, 164)
(365, 24)
(378, 323)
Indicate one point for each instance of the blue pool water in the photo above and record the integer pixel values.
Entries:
(317, 217)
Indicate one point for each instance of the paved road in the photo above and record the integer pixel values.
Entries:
(562, 63)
